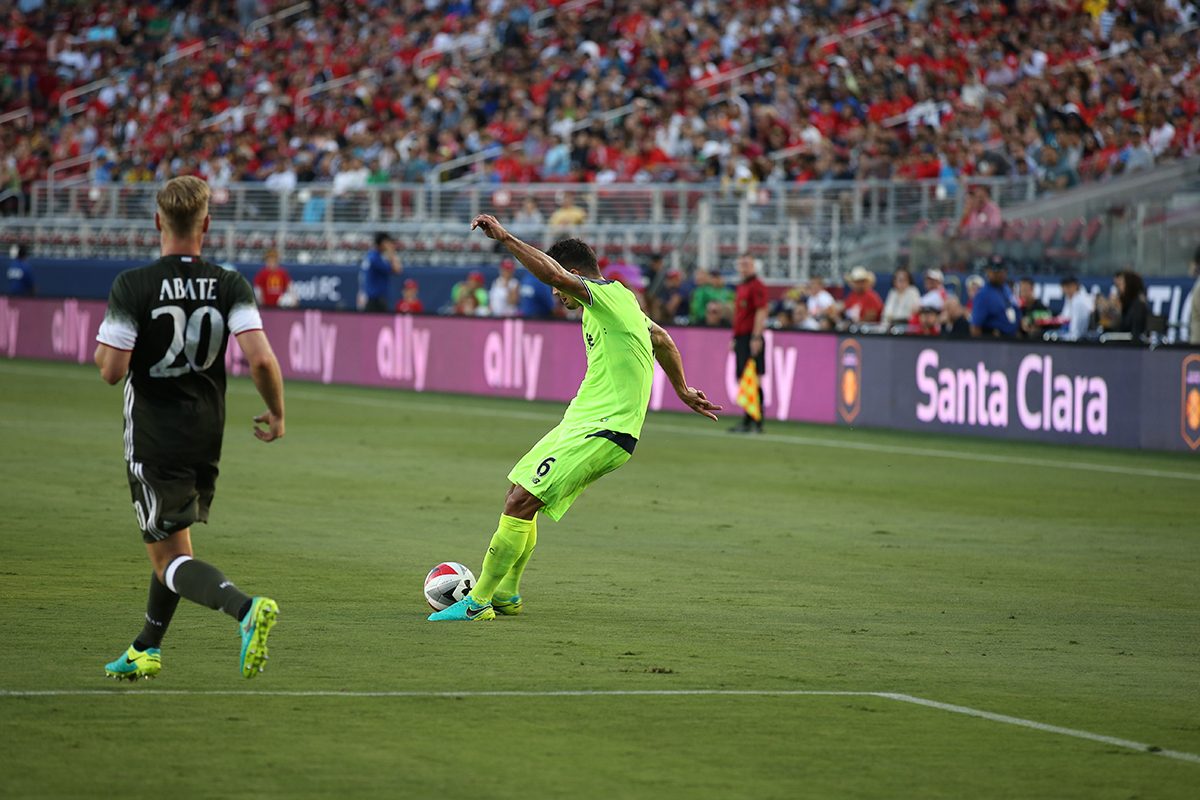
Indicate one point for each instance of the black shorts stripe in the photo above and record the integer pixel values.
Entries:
(621, 440)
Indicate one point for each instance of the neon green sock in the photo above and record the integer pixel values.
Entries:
(511, 584)
(508, 544)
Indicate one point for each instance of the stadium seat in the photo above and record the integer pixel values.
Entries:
(1066, 249)
(1030, 232)
(1091, 231)
(1050, 231)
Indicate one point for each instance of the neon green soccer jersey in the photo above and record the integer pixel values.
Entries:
(620, 362)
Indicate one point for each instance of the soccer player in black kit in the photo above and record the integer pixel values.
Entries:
(165, 333)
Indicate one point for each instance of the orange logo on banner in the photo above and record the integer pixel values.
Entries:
(849, 379)
(1189, 426)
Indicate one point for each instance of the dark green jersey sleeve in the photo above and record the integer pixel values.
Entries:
(120, 326)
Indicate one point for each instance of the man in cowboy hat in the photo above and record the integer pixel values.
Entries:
(862, 303)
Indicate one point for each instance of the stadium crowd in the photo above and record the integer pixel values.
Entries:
(1066, 90)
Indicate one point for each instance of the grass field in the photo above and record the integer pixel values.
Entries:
(689, 625)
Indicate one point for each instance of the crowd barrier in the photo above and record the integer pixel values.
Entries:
(1071, 393)
(334, 286)
(325, 286)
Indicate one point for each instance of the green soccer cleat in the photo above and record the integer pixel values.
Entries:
(255, 627)
(134, 664)
(466, 610)
(508, 606)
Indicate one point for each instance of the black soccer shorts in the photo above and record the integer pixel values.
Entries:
(169, 498)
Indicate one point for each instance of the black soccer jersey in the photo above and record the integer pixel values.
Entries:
(175, 315)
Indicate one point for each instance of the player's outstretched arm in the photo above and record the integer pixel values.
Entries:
(543, 267)
(667, 355)
(264, 370)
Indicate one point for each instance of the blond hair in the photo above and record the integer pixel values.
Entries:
(183, 205)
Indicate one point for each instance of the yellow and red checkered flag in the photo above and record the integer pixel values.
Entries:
(747, 396)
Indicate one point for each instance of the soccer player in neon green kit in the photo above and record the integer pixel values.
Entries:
(601, 426)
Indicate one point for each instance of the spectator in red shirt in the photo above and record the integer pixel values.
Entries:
(749, 319)
(273, 285)
(863, 303)
(410, 303)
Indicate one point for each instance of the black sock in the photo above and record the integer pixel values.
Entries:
(245, 609)
(205, 584)
(160, 607)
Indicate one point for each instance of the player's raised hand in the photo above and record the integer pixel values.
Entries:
(490, 226)
(274, 427)
(697, 402)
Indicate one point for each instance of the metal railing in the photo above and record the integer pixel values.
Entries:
(821, 227)
(184, 52)
(10, 194)
(337, 83)
(65, 108)
(20, 113)
(212, 41)
(794, 229)
(469, 46)
(859, 30)
(87, 160)
(57, 198)
(734, 75)
(538, 17)
(424, 63)
(261, 22)
(438, 172)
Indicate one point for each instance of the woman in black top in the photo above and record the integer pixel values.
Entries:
(1132, 299)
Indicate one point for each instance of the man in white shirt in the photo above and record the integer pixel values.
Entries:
(935, 289)
(1077, 309)
(504, 295)
(1162, 133)
(352, 175)
(817, 299)
(283, 179)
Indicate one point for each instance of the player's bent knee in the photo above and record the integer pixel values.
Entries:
(520, 503)
(163, 552)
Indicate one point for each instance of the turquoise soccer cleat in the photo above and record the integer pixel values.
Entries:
(255, 627)
(508, 606)
(134, 664)
(466, 610)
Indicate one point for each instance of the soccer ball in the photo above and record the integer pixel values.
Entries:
(447, 583)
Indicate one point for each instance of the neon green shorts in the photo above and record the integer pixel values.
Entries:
(568, 460)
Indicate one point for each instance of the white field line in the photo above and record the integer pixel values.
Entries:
(405, 401)
(1026, 723)
(903, 698)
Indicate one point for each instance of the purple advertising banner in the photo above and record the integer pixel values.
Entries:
(1115, 397)
(478, 356)
(1171, 401)
(1072, 393)
(59, 330)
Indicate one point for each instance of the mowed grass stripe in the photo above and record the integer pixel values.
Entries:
(408, 401)
(903, 698)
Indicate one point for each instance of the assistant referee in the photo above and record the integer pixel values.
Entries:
(749, 319)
